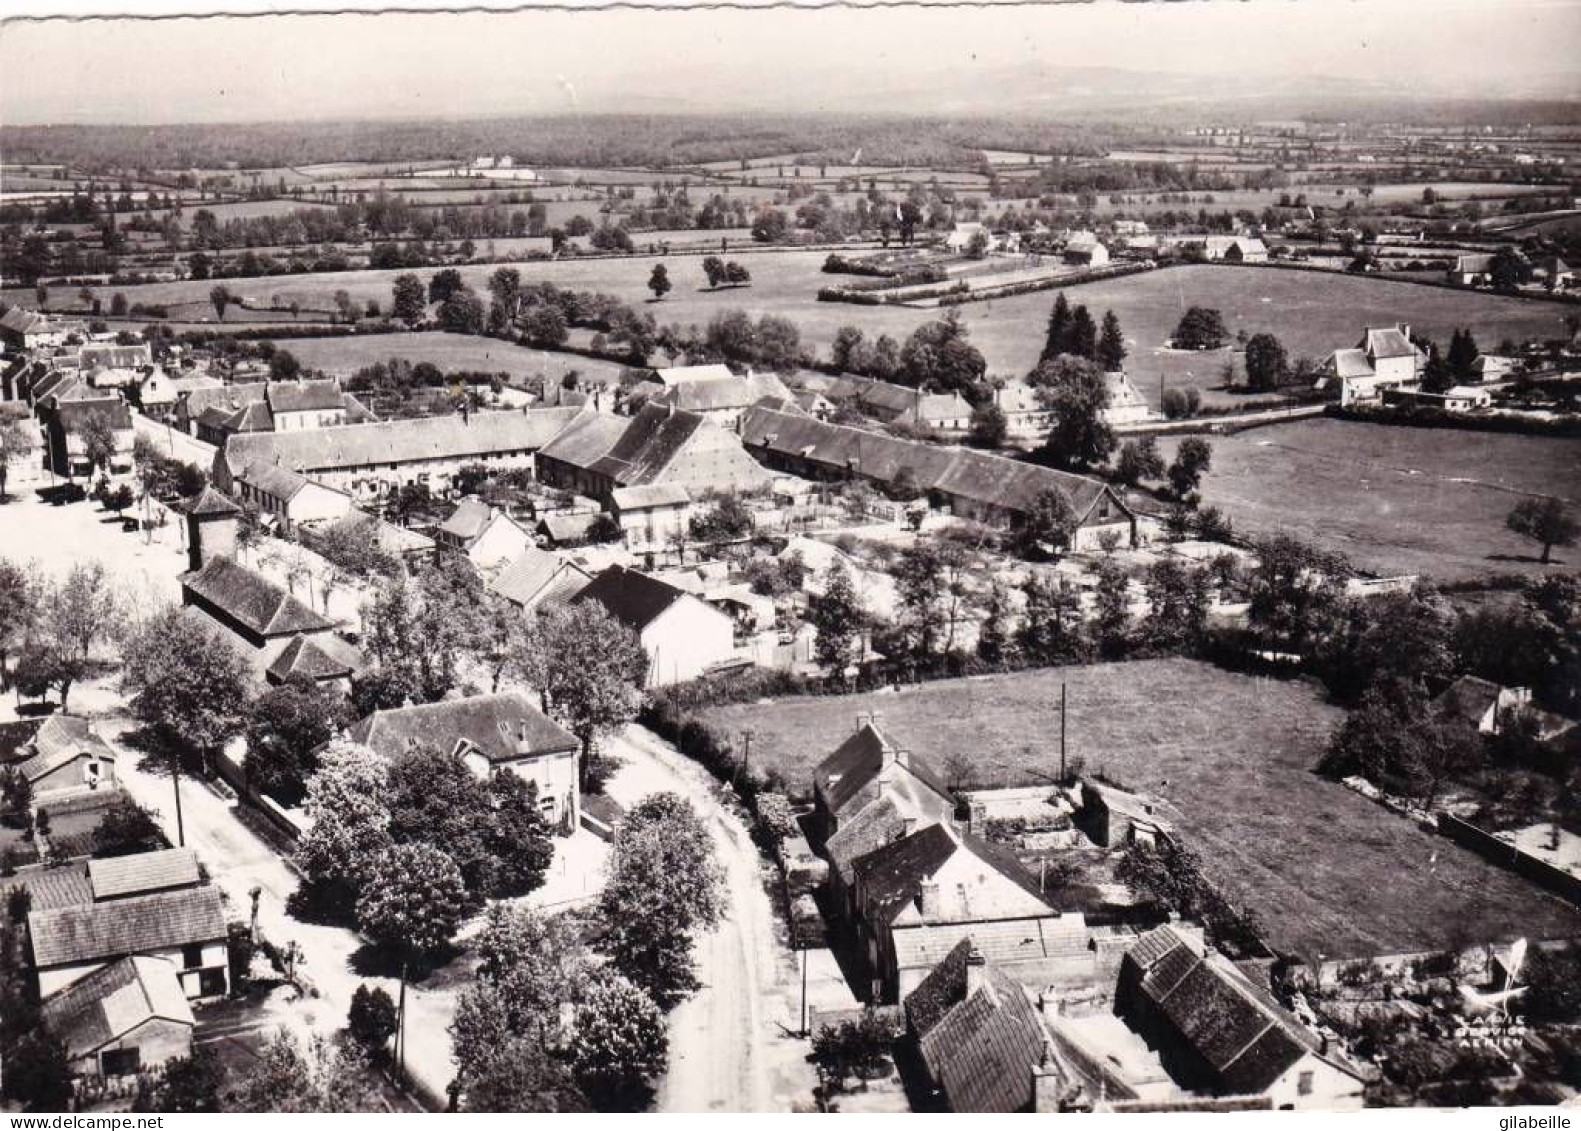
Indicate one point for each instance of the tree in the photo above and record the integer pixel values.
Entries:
(1266, 363)
(1192, 459)
(1048, 525)
(349, 822)
(1051, 625)
(737, 275)
(186, 682)
(371, 1019)
(1139, 460)
(594, 676)
(664, 883)
(1462, 355)
(1509, 269)
(516, 1074)
(285, 725)
(443, 284)
(1399, 637)
(993, 632)
(1111, 344)
(1294, 593)
(288, 1078)
(188, 1084)
(516, 837)
(126, 829)
(929, 585)
(16, 444)
(220, 297)
(1075, 393)
(1391, 738)
(544, 325)
(19, 610)
(1546, 521)
(98, 439)
(939, 357)
(989, 428)
(1200, 328)
(1112, 623)
(505, 287)
(1178, 601)
(1082, 336)
(409, 303)
(714, 268)
(462, 311)
(82, 610)
(727, 520)
(37, 1073)
(854, 1047)
(1056, 339)
(619, 1044)
(838, 616)
(659, 281)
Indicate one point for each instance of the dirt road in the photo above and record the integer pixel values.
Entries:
(730, 1043)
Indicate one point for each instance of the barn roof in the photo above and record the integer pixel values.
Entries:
(126, 926)
(539, 577)
(59, 741)
(113, 1001)
(502, 727)
(252, 599)
(634, 598)
(120, 876)
(304, 396)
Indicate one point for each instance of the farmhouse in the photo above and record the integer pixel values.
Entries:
(1480, 703)
(185, 927)
(370, 460)
(486, 535)
(491, 734)
(66, 758)
(22, 330)
(539, 578)
(652, 518)
(890, 403)
(288, 500)
(703, 389)
(1220, 1034)
(111, 355)
(596, 454)
(66, 412)
(682, 635)
(1460, 398)
(934, 877)
(1086, 250)
(1126, 403)
(1235, 249)
(276, 406)
(123, 1019)
(1554, 273)
(1471, 270)
(1383, 359)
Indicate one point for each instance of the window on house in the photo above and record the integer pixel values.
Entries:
(122, 1062)
(192, 956)
(1304, 1084)
(211, 983)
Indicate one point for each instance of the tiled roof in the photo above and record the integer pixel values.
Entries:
(654, 495)
(893, 875)
(112, 1001)
(304, 396)
(1352, 363)
(116, 411)
(468, 520)
(983, 1049)
(564, 527)
(630, 596)
(1012, 485)
(1388, 342)
(126, 926)
(53, 886)
(227, 398)
(1468, 699)
(400, 441)
(320, 656)
(252, 599)
(502, 727)
(694, 373)
(940, 991)
(210, 502)
(114, 356)
(22, 321)
(391, 539)
(120, 876)
(273, 480)
(715, 394)
(61, 739)
(586, 439)
(856, 763)
(539, 577)
(1002, 941)
(1247, 1039)
(651, 441)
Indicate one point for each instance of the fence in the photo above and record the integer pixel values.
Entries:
(1562, 883)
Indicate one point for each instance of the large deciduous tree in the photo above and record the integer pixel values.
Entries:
(593, 682)
(348, 823)
(618, 1045)
(840, 619)
(1545, 521)
(1267, 365)
(1073, 390)
(285, 726)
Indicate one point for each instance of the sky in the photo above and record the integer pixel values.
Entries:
(476, 63)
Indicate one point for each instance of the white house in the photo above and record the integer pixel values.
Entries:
(1384, 359)
(486, 535)
(288, 499)
(683, 635)
(67, 758)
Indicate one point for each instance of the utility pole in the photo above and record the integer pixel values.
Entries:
(1062, 732)
(746, 756)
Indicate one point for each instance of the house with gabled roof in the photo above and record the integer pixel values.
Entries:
(935, 876)
(682, 635)
(288, 500)
(142, 873)
(485, 534)
(897, 404)
(653, 518)
(31, 329)
(65, 412)
(1471, 270)
(982, 1042)
(185, 926)
(1219, 1033)
(702, 389)
(67, 758)
(123, 1019)
(599, 454)
(867, 766)
(539, 579)
(1384, 359)
(499, 733)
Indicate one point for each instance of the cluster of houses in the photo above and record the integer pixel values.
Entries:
(1012, 999)
(1386, 367)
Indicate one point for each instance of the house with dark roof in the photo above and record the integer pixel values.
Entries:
(123, 1019)
(717, 396)
(976, 485)
(538, 579)
(185, 926)
(682, 635)
(598, 454)
(370, 460)
(499, 733)
(273, 406)
(1218, 1033)
(113, 355)
(866, 767)
(31, 329)
(981, 1041)
(486, 535)
(66, 758)
(278, 634)
(891, 403)
(935, 876)
(1471, 270)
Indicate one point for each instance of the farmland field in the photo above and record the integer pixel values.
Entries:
(1311, 313)
(1324, 869)
(1396, 500)
(450, 352)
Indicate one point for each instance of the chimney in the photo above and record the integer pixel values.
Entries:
(877, 719)
(903, 758)
(908, 826)
(523, 746)
(928, 905)
(976, 967)
(862, 719)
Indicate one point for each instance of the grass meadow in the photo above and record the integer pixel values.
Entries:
(1327, 871)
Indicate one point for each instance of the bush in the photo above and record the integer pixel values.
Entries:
(371, 1019)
